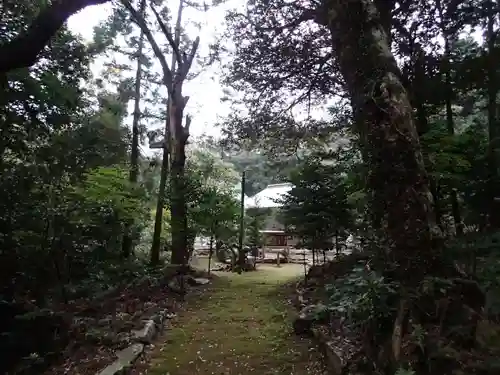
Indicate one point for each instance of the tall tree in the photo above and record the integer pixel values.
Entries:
(128, 62)
(380, 106)
(127, 246)
(397, 173)
(317, 208)
(174, 77)
(213, 205)
(448, 31)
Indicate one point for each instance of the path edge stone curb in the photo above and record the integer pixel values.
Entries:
(145, 336)
(126, 359)
(334, 358)
(334, 363)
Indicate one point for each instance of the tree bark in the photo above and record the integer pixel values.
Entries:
(422, 122)
(175, 134)
(455, 205)
(127, 244)
(160, 204)
(23, 50)
(385, 8)
(178, 208)
(178, 136)
(241, 255)
(397, 176)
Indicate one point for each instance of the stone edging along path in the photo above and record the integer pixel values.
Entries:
(127, 357)
(334, 355)
(153, 326)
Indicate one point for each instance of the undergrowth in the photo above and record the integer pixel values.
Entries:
(441, 321)
(361, 295)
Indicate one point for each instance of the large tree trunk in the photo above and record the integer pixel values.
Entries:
(175, 138)
(337, 243)
(397, 177)
(178, 136)
(178, 140)
(160, 204)
(127, 244)
(385, 8)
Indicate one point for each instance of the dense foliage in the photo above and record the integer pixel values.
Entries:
(317, 208)
(382, 113)
(78, 196)
(411, 92)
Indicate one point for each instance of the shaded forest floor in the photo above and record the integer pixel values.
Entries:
(239, 324)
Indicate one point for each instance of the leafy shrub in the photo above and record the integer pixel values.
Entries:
(361, 295)
(144, 246)
(29, 334)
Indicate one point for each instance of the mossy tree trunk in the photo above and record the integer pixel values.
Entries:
(397, 177)
(178, 139)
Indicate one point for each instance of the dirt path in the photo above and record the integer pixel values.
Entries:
(240, 325)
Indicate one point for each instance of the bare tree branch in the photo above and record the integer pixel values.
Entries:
(308, 15)
(23, 50)
(172, 76)
(169, 36)
(187, 126)
(168, 78)
(189, 58)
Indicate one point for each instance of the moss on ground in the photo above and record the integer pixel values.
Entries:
(240, 325)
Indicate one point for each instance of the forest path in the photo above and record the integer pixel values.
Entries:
(240, 324)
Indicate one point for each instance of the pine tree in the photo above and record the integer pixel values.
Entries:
(130, 65)
(317, 209)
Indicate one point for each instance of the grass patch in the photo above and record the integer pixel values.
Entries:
(239, 326)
